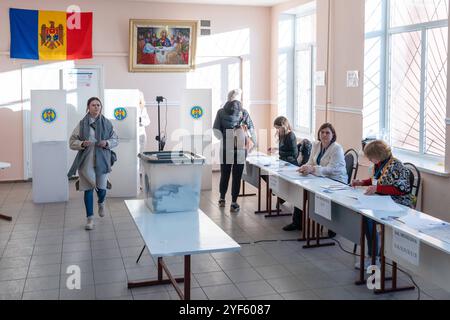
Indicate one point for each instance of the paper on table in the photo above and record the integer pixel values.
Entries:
(295, 175)
(441, 232)
(384, 203)
(335, 187)
(420, 222)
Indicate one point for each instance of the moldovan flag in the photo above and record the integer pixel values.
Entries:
(50, 35)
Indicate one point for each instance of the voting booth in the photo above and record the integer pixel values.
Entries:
(196, 121)
(49, 146)
(121, 107)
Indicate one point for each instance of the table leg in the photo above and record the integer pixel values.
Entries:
(362, 245)
(393, 287)
(243, 194)
(4, 217)
(163, 267)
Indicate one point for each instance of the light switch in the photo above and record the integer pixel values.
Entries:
(319, 78)
(352, 79)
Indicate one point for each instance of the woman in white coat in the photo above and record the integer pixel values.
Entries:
(327, 156)
(93, 138)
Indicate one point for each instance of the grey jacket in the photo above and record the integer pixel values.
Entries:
(93, 163)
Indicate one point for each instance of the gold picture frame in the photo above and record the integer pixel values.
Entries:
(162, 45)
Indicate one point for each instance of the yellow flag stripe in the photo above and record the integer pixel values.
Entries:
(52, 38)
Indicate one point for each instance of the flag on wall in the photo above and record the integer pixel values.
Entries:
(50, 35)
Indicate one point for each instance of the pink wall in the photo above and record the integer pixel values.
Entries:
(245, 29)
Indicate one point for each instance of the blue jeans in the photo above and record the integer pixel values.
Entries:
(89, 200)
(369, 234)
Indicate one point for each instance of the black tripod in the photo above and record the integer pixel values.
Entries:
(161, 143)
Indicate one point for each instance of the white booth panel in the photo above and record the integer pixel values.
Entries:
(50, 182)
(196, 98)
(121, 105)
(196, 118)
(48, 115)
(125, 174)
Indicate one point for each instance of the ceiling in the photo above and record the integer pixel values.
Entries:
(267, 3)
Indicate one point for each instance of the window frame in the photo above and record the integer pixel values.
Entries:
(312, 48)
(385, 35)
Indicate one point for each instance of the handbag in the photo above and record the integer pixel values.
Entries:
(113, 157)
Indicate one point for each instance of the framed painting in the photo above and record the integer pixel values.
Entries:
(162, 45)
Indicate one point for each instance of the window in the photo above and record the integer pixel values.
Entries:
(405, 73)
(305, 52)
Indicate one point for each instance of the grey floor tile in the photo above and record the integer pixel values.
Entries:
(268, 297)
(196, 294)
(47, 249)
(141, 273)
(108, 264)
(38, 271)
(12, 252)
(275, 271)
(76, 246)
(13, 274)
(41, 295)
(288, 284)
(243, 275)
(84, 293)
(110, 276)
(233, 263)
(150, 289)
(106, 253)
(152, 296)
(300, 295)
(112, 290)
(202, 267)
(38, 260)
(43, 283)
(223, 292)
(338, 293)
(261, 260)
(255, 288)
(18, 262)
(212, 278)
(76, 256)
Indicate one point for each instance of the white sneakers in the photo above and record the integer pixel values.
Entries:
(367, 262)
(101, 209)
(90, 220)
(89, 224)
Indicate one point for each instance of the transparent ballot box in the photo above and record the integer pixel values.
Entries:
(172, 180)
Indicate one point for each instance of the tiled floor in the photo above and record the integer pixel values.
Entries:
(44, 239)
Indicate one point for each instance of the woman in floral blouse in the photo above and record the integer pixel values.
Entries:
(389, 177)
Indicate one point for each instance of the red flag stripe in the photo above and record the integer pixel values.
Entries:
(79, 41)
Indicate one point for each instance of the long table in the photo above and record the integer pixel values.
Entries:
(347, 220)
(176, 234)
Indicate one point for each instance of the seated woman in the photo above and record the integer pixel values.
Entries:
(287, 141)
(389, 177)
(327, 158)
(288, 151)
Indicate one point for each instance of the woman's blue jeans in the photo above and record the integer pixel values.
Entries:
(89, 200)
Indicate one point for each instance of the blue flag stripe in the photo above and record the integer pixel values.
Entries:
(24, 33)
